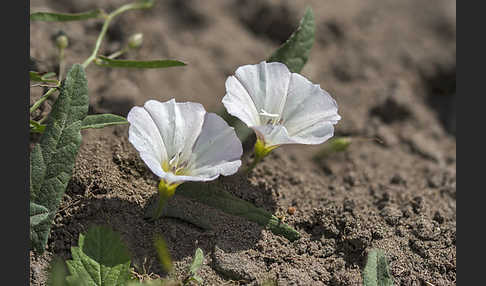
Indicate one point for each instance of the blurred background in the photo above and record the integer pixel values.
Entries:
(379, 59)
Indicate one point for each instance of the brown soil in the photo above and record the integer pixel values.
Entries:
(391, 66)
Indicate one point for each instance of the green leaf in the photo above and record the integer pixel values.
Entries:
(154, 64)
(35, 76)
(295, 51)
(102, 120)
(38, 214)
(64, 17)
(48, 75)
(376, 272)
(334, 145)
(52, 160)
(36, 127)
(197, 261)
(101, 259)
(57, 273)
(214, 195)
(163, 254)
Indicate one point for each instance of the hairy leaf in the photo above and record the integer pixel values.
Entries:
(153, 64)
(65, 17)
(52, 160)
(102, 120)
(100, 259)
(376, 272)
(38, 214)
(295, 51)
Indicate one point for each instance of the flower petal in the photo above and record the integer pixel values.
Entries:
(239, 103)
(273, 134)
(278, 78)
(217, 150)
(145, 137)
(267, 85)
(179, 124)
(309, 111)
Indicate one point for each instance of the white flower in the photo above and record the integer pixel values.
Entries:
(181, 142)
(282, 107)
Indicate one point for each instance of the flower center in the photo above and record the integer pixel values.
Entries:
(270, 118)
(175, 165)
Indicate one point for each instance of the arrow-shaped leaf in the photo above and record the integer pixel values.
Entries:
(153, 64)
(295, 51)
(52, 160)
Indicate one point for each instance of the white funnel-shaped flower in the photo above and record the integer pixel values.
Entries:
(181, 142)
(282, 107)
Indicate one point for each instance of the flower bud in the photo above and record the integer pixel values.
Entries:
(339, 144)
(135, 41)
(62, 41)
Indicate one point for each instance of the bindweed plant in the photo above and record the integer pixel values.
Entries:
(179, 141)
(52, 159)
(279, 104)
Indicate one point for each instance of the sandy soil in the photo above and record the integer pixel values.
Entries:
(391, 66)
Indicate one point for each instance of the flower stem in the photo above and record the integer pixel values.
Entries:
(117, 53)
(255, 161)
(42, 99)
(261, 150)
(141, 4)
(165, 192)
(61, 63)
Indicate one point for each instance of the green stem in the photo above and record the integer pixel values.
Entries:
(165, 192)
(255, 161)
(117, 54)
(98, 42)
(61, 63)
(261, 150)
(108, 19)
(42, 99)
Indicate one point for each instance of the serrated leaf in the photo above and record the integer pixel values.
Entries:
(102, 120)
(153, 64)
(376, 272)
(295, 51)
(100, 259)
(65, 17)
(52, 160)
(197, 261)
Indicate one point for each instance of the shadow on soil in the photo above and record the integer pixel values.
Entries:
(186, 224)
